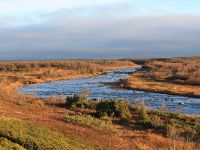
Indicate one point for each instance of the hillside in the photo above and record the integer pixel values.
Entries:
(76, 123)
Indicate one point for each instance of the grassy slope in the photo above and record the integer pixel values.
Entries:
(6, 144)
(32, 136)
(34, 119)
(36, 112)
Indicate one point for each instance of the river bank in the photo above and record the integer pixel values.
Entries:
(175, 76)
(16, 74)
(101, 88)
(137, 82)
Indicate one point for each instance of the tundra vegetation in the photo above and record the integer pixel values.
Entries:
(173, 125)
(15, 73)
(75, 122)
(185, 71)
(180, 76)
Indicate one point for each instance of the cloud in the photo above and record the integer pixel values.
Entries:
(23, 12)
(16, 7)
(20, 12)
(65, 36)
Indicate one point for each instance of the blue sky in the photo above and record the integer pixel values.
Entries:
(48, 29)
(32, 11)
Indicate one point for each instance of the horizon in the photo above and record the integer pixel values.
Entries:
(85, 59)
(50, 30)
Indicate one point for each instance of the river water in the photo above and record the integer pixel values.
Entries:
(99, 88)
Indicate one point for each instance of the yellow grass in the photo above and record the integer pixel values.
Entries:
(18, 73)
(137, 82)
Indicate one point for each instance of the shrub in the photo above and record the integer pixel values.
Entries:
(143, 117)
(89, 121)
(117, 108)
(137, 106)
(171, 115)
(178, 70)
(175, 125)
(123, 110)
(106, 108)
(156, 122)
(78, 100)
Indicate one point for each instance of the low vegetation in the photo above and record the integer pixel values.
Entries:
(37, 124)
(172, 125)
(177, 70)
(5, 144)
(89, 121)
(110, 108)
(179, 76)
(82, 124)
(79, 100)
(24, 135)
(82, 66)
(114, 108)
(41, 71)
(76, 122)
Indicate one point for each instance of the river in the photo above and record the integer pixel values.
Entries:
(100, 87)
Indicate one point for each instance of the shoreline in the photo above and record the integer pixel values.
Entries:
(14, 86)
(135, 82)
(162, 92)
(124, 84)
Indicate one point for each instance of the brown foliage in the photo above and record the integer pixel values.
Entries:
(41, 71)
(178, 70)
(82, 66)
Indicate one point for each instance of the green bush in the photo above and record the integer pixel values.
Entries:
(116, 108)
(175, 125)
(184, 128)
(171, 115)
(106, 108)
(89, 121)
(78, 100)
(123, 110)
(156, 122)
(143, 116)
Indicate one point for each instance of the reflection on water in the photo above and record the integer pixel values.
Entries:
(98, 89)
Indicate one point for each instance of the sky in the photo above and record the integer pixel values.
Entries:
(82, 29)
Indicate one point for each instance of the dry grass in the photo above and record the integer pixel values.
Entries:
(43, 113)
(13, 74)
(50, 114)
(138, 82)
(177, 70)
(177, 76)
